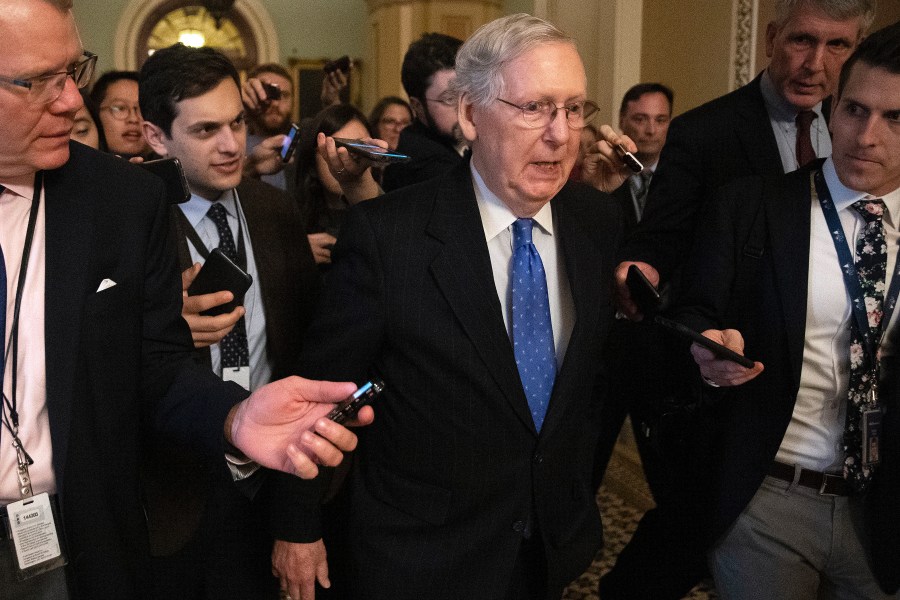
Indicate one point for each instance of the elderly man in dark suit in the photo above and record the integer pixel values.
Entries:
(800, 273)
(482, 300)
(99, 356)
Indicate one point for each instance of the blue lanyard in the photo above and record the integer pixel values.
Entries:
(851, 276)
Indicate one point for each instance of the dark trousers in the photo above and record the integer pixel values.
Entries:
(46, 586)
(228, 557)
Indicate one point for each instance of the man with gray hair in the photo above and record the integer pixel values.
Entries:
(774, 124)
(481, 299)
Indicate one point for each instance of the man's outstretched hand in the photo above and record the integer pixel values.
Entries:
(282, 426)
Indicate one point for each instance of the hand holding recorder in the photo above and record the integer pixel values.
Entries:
(610, 161)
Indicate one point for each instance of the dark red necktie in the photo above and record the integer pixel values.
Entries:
(805, 152)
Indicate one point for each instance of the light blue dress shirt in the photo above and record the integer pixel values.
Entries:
(195, 210)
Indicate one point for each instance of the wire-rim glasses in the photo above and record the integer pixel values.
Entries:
(540, 113)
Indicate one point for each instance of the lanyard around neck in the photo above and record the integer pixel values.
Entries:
(849, 272)
(9, 411)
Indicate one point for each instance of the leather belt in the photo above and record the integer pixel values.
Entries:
(827, 484)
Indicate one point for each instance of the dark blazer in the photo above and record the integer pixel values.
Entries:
(622, 196)
(453, 474)
(757, 283)
(288, 278)
(706, 147)
(117, 362)
(432, 155)
(289, 283)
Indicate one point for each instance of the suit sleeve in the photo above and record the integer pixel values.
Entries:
(190, 403)
(676, 194)
(703, 297)
(340, 346)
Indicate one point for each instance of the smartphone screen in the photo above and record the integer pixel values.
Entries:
(372, 152)
(290, 143)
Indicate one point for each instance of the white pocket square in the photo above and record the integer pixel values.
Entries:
(106, 284)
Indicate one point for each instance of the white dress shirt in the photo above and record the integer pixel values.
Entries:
(195, 210)
(814, 437)
(31, 396)
(497, 220)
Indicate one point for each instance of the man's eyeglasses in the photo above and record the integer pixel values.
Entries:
(389, 122)
(540, 113)
(45, 89)
(120, 111)
(445, 100)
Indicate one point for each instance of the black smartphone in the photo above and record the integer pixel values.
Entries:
(273, 92)
(629, 159)
(648, 301)
(220, 273)
(290, 143)
(361, 397)
(643, 293)
(170, 171)
(338, 64)
(370, 151)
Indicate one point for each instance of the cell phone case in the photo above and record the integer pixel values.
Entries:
(220, 273)
(170, 171)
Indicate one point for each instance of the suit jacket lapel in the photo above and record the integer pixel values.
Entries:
(69, 230)
(755, 131)
(462, 270)
(585, 279)
(787, 206)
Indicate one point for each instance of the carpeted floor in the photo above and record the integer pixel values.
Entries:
(619, 522)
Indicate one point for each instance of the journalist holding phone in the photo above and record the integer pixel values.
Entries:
(241, 232)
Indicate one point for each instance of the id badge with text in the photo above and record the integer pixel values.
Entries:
(34, 536)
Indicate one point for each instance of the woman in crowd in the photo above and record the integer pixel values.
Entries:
(86, 129)
(319, 194)
(115, 95)
(389, 117)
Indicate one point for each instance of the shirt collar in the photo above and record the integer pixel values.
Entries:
(496, 215)
(196, 208)
(21, 185)
(843, 197)
(778, 108)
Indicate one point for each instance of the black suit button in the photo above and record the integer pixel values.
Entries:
(538, 458)
(519, 526)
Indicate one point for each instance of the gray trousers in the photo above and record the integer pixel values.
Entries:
(792, 543)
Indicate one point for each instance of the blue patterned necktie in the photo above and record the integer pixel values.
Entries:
(532, 332)
(234, 348)
(871, 266)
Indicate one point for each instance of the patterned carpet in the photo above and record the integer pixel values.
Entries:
(619, 522)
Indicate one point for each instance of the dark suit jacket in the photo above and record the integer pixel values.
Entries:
(706, 147)
(453, 472)
(289, 282)
(734, 281)
(117, 362)
(622, 196)
(432, 155)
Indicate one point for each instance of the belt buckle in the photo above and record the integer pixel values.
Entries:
(827, 478)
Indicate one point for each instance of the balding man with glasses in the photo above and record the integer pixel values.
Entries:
(482, 298)
(96, 356)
